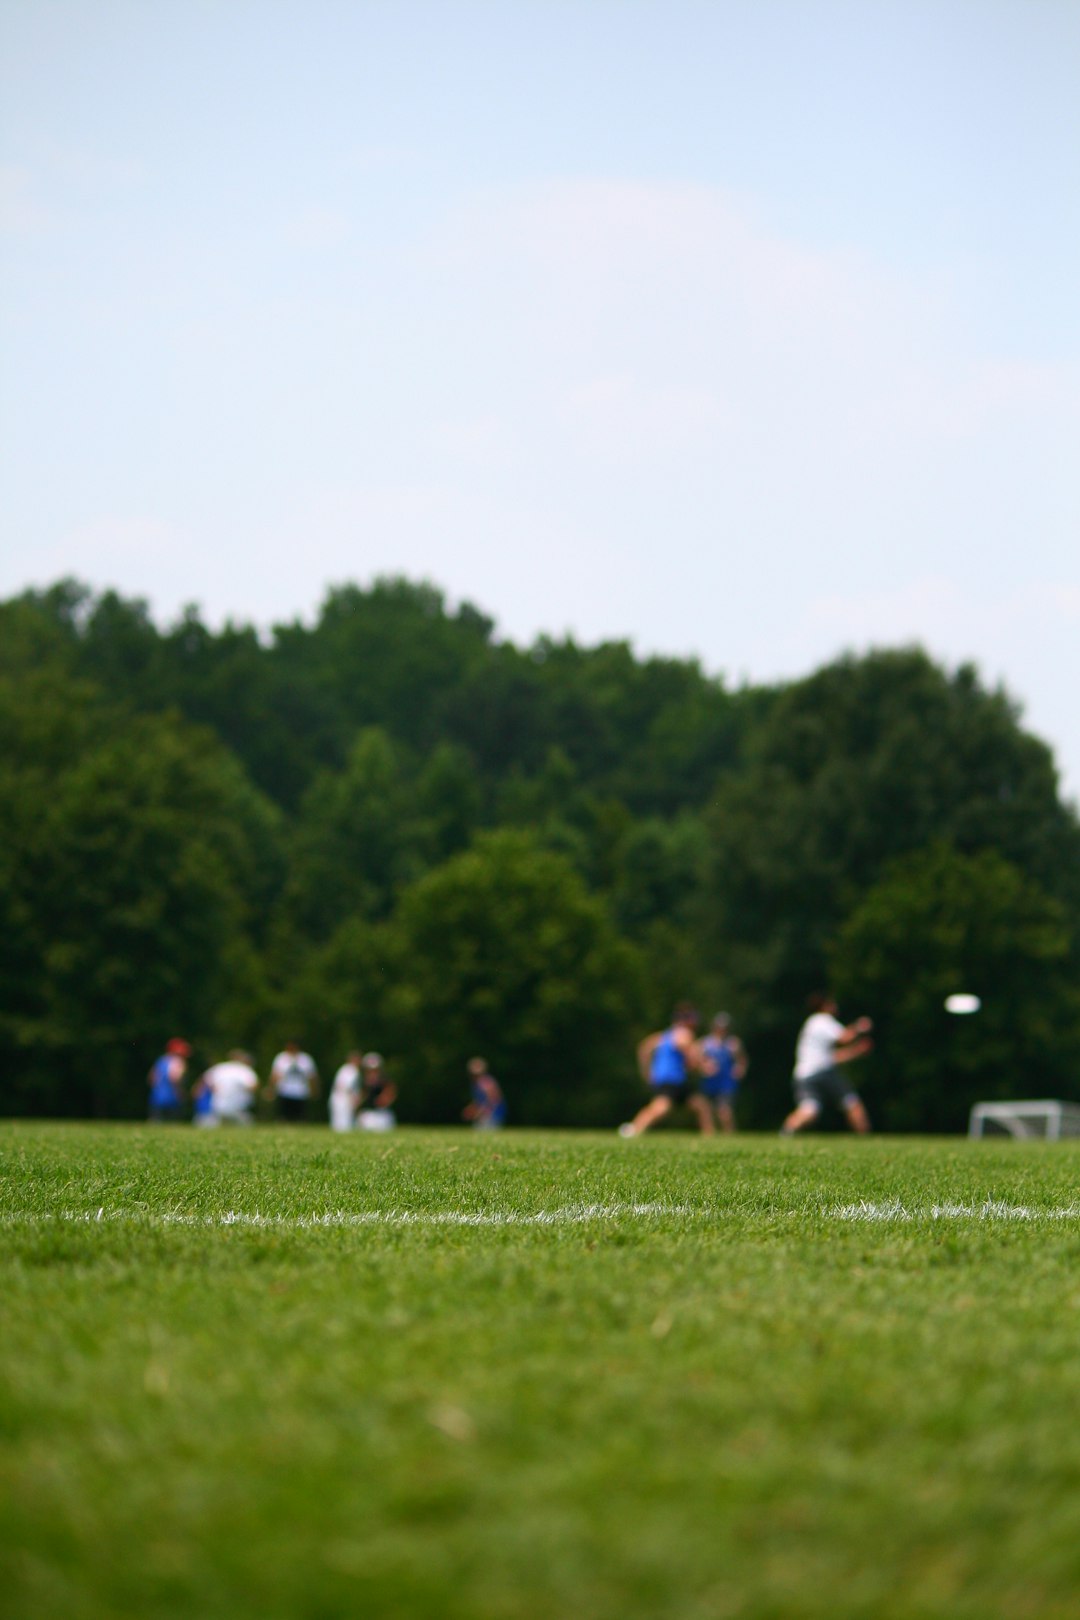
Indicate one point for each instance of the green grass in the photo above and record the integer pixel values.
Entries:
(768, 1390)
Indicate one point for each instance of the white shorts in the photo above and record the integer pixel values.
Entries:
(376, 1119)
(230, 1116)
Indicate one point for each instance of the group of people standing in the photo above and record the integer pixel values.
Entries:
(227, 1092)
(705, 1074)
(362, 1095)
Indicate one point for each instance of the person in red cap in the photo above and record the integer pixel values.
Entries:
(166, 1083)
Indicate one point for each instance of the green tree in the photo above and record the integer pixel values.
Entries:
(39, 630)
(145, 869)
(503, 951)
(866, 761)
(447, 803)
(355, 842)
(48, 722)
(725, 838)
(940, 921)
(337, 999)
(656, 733)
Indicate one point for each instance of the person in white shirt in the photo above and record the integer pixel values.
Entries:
(232, 1086)
(345, 1094)
(825, 1043)
(294, 1080)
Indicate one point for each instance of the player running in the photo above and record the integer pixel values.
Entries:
(722, 1061)
(824, 1043)
(665, 1060)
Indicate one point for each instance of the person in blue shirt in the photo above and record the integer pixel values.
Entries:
(487, 1109)
(202, 1103)
(166, 1083)
(666, 1060)
(722, 1061)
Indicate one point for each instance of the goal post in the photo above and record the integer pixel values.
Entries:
(1044, 1118)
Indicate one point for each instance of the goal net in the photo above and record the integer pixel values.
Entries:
(1048, 1119)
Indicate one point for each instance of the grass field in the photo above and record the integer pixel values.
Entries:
(536, 1375)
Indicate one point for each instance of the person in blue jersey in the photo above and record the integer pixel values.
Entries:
(166, 1083)
(487, 1109)
(666, 1060)
(202, 1104)
(722, 1061)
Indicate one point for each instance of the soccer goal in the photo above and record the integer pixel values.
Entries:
(1046, 1118)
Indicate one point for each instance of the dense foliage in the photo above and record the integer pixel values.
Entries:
(392, 829)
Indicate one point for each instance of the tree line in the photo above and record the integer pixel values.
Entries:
(392, 828)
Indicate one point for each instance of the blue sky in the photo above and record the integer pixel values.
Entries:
(744, 331)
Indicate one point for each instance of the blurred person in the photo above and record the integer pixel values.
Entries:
(824, 1044)
(722, 1063)
(294, 1081)
(378, 1094)
(665, 1060)
(166, 1083)
(202, 1103)
(487, 1108)
(232, 1087)
(345, 1094)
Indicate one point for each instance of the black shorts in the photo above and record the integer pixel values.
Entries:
(679, 1092)
(828, 1086)
(292, 1109)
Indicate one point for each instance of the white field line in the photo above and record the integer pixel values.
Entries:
(571, 1215)
(568, 1215)
(991, 1209)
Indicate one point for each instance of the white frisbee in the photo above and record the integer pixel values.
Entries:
(962, 1002)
